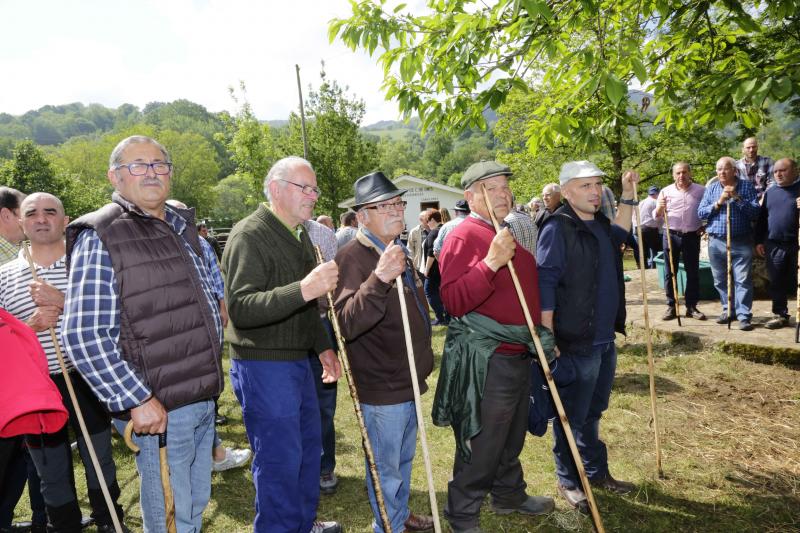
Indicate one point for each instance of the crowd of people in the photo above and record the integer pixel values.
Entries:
(136, 296)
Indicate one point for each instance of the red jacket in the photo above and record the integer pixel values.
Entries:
(29, 400)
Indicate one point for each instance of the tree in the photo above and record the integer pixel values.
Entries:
(706, 62)
(235, 200)
(336, 148)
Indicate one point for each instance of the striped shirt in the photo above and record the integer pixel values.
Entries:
(92, 319)
(15, 297)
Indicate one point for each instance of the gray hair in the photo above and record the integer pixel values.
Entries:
(681, 164)
(116, 155)
(282, 169)
(552, 187)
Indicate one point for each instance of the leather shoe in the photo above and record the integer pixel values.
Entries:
(613, 485)
(693, 312)
(416, 522)
(745, 325)
(669, 314)
(723, 318)
(533, 505)
(576, 498)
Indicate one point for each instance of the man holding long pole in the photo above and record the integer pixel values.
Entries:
(729, 194)
(583, 302)
(370, 319)
(38, 299)
(486, 346)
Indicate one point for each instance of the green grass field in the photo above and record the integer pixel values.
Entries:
(730, 452)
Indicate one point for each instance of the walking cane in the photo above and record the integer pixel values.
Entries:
(78, 413)
(648, 331)
(797, 315)
(344, 358)
(576, 456)
(672, 267)
(169, 500)
(729, 279)
(423, 436)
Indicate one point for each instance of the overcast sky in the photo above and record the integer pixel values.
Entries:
(113, 52)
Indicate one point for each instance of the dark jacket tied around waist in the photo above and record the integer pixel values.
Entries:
(167, 330)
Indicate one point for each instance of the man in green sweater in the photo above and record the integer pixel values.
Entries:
(271, 290)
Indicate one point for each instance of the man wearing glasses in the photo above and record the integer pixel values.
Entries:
(142, 325)
(273, 283)
(368, 309)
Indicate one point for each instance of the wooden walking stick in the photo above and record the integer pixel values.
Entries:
(169, 500)
(576, 456)
(674, 275)
(797, 315)
(649, 333)
(423, 436)
(729, 279)
(78, 413)
(345, 360)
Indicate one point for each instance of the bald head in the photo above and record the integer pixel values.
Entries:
(785, 172)
(42, 218)
(750, 149)
(37, 196)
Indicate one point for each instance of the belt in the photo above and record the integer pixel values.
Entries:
(678, 232)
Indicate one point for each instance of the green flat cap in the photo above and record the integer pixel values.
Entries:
(482, 170)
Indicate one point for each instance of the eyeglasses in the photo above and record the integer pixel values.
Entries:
(385, 208)
(307, 189)
(140, 169)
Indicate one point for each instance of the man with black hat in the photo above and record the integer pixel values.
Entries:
(487, 348)
(368, 308)
(583, 302)
(650, 226)
(462, 212)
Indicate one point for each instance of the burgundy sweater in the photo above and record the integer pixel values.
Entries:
(469, 285)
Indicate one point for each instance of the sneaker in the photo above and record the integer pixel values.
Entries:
(613, 485)
(576, 498)
(534, 505)
(669, 314)
(745, 325)
(233, 459)
(723, 318)
(777, 322)
(693, 312)
(326, 527)
(328, 482)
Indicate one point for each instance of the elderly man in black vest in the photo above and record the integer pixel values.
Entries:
(142, 325)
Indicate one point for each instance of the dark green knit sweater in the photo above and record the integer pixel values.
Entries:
(263, 264)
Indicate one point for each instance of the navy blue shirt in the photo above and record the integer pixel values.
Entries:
(551, 257)
(777, 220)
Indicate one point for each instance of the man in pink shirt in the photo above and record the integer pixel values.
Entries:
(680, 202)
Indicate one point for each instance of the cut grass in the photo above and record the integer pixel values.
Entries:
(729, 442)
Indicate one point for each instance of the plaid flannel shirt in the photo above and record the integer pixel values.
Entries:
(759, 173)
(90, 332)
(743, 211)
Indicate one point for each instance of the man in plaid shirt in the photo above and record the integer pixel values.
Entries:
(755, 168)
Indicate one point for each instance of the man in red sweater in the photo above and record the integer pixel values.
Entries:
(477, 288)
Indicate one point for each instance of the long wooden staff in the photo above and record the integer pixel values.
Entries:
(729, 279)
(587, 488)
(345, 360)
(78, 413)
(797, 315)
(163, 467)
(648, 331)
(672, 266)
(423, 436)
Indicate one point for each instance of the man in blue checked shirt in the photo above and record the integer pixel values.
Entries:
(142, 325)
(738, 195)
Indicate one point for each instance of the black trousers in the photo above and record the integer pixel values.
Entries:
(782, 271)
(494, 467)
(685, 246)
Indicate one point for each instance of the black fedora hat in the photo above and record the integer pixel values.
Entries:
(374, 187)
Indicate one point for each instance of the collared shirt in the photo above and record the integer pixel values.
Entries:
(523, 229)
(743, 211)
(344, 235)
(8, 250)
(210, 258)
(647, 211)
(759, 172)
(322, 236)
(90, 333)
(443, 231)
(15, 297)
(682, 207)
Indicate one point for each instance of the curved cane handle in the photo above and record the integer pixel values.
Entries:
(128, 436)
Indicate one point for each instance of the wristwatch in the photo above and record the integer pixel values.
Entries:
(628, 201)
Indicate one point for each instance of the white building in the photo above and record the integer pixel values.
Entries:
(422, 194)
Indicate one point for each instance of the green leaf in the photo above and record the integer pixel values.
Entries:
(616, 89)
(638, 69)
(782, 88)
(399, 8)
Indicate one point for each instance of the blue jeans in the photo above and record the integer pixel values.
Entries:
(584, 401)
(190, 432)
(742, 271)
(326, 394)
(392, 431)
(281, 417)
(431, 287)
